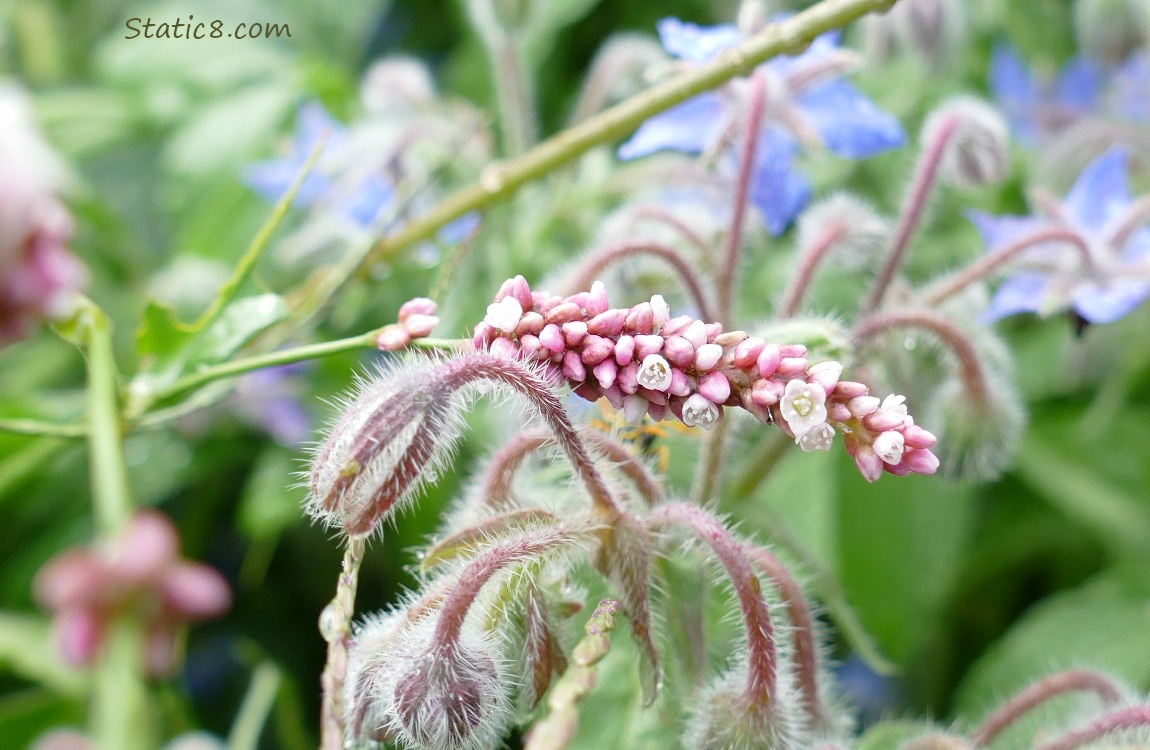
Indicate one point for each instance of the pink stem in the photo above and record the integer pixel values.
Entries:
(594, 264)
(970, 366)
(728, 270)
(987, 264)
(1072, 680)
(1133, 717)
(1136, 216)
(338, 636)
(762, 658)
(659, 213)
(803, 628)
(812, 255)
(925, 178)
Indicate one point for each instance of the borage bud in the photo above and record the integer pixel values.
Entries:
(976, 141)
(400, 428)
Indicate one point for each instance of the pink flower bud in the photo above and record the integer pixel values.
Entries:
(676, 326)
(916, 437)
(730, 338)
(640, 319)
(609, 323)
(792, 367)
(564, 312)
(825, 374)
(505, 348)
(628, 378)
(416, 306)
(679, 352)
(530, 323)
(598, 299)
(529, 345)
(646, 344)
(881, 420)
(713, 330)
(838, 413)
(634, 408)
(660, 310)
(696, 333)
(624, 350)
(680, 383)
(747, 353)
(707, 356)
(574, 332)
(484, 334)
(420, 326)
(195, 592)
(542, 302)
(765, 394)
(869, 464)
(715, 386)
(848, 389)
(573, 368)
(920, 461)
(613, 395)
(860, 406)
(605, 372)
(392, 338)
(768, 361)
(657, 412)
(793, 350)
(552, 338)
(596, 349)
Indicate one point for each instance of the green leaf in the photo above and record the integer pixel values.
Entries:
(27, 649)
(160, 337)
(1105, 624)
(26, 715)
(890, 735)
(240, 321)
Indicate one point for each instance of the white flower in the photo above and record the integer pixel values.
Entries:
(504, 315)
(655, 373)
(889, 446)
(818, 438)
(897, 404)
(803, 406)
(700, 411)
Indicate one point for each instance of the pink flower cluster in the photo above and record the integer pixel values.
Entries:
(416, 320)
(139, 573)
(645, 362)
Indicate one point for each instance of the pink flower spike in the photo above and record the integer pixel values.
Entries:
(574, 332)
(646, 345)
(609, 323)
(747, 353)
(624, 350)
(552, 338)
(420, 326)
(768, 361)
(792, 367)
(392, 338)
(573, 368)
(715, 386)
(605, 372)
(920, 461)
(707, 356)
(679, 352)
(416, 306)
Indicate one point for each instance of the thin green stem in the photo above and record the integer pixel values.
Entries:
(110, 495)
(45, 429)
(501, 180)
(253, 713)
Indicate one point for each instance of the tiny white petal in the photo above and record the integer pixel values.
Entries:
(818, 438)
(700, 411)
(504, 315)
(803, 406)
(889, 446)
(655, 373)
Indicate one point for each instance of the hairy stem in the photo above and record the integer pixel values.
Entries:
(945, 288)
(593, 264)
(500, 180)
(732, 251)
(943, 328)
(762, 659)
(1134, 717)
(1072, 680)
(809, 260)
(335, 626)
(921, 187)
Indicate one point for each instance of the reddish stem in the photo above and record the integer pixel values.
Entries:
(728, 269)
(594, 264)
(661, 214)
(810, 258)
(1136, 216)
(1133, 717)
(762, 657)
(1072, 680)
(925, 178)
(970, 366)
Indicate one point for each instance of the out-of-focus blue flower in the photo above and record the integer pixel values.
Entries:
(1099, 209)
(270, 400)
(348, 183)
(1130, 94)
(871, 694)
(807, 101)
(1037, 109)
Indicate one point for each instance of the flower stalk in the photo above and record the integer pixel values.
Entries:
(335, 626)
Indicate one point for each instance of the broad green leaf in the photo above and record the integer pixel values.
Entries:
(1105, 624)
(26, 715)
(890, 735)
(26, 648)
(237, 325)
(160, 337)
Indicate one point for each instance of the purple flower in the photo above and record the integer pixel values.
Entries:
(1099, 268)
(348, 179)
(270, 399)
(1035, 108)
(1130, 92)
(807, 102)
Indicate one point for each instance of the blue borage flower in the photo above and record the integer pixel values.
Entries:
(1130, 95)
(345, 180)
(807, 103)
(1110, 225)
(1037, 108)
